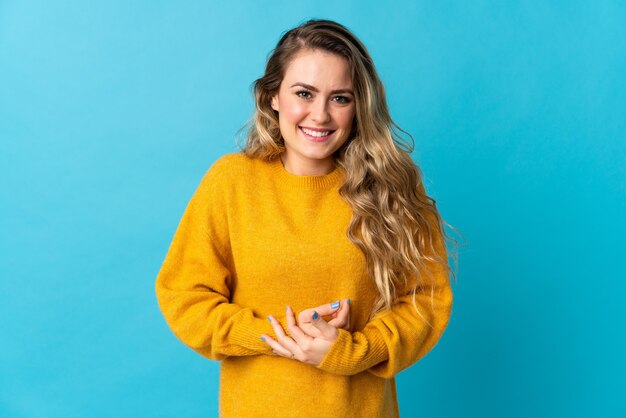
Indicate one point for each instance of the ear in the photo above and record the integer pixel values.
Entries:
(274, 103)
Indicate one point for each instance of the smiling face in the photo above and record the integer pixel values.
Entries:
(315, 105)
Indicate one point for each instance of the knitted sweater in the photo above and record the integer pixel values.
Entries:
(255, 238)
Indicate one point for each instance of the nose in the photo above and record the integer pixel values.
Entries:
(319, 112)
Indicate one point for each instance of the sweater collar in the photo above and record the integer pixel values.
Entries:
(321, 182)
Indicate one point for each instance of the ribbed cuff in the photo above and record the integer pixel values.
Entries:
(352, 353)
(245, 335)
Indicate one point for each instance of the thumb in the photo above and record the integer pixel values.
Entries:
(326, 309)
(327, 331)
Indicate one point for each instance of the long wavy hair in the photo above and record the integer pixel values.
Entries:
(394, 223)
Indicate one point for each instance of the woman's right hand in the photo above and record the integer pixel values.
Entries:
(340, 316)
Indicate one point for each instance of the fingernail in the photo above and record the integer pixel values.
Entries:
(287, 308)
(269, 319)
(348, 301)
(315, 315)
(262, 339)
(334, 305)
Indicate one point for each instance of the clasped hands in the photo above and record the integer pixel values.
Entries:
(312, 335)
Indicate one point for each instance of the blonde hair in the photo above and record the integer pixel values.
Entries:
(394, 223)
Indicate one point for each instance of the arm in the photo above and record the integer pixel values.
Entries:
(395, 339)
(193, 285)
(388, 344)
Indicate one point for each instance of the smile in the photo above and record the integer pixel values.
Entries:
(316, 135)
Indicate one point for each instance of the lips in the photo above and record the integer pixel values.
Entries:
(316, 134)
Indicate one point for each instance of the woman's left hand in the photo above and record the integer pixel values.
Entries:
(301, 347)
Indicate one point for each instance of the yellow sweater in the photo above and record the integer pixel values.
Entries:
(255, 238)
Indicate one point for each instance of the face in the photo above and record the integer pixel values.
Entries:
(315, 105)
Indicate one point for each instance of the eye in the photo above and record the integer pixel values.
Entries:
(341, 99)
(303, 94)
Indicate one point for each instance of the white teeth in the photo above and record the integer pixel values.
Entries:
(315, 133)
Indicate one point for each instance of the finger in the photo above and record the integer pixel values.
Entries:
(342, 320)
(284, 340)
(323, 310)
(298, 334)
(328, 331)
(310, 329)
(305, 326)
(276, 347)
(278, 328)
(291, 320)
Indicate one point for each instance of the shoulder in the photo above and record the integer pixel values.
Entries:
(233, 169)
(229, 166)
(231, 163)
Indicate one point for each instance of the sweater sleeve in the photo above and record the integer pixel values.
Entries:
(193, 285)
(398, 337)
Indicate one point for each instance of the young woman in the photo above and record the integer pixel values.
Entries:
(312, 264)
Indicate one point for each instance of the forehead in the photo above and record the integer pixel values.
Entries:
(320, 69)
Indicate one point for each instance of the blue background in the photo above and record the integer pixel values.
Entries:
(111, 111)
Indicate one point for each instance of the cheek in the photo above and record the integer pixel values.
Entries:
(291, 111)
(344, 119)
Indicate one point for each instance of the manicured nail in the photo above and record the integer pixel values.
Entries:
(262, 339)
(348, 301)
(287, 308)
(315, 315)
(334, 305)
(269, 319)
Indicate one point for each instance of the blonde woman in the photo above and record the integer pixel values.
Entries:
(312, 264)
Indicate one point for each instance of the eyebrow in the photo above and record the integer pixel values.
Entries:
(310, 87)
